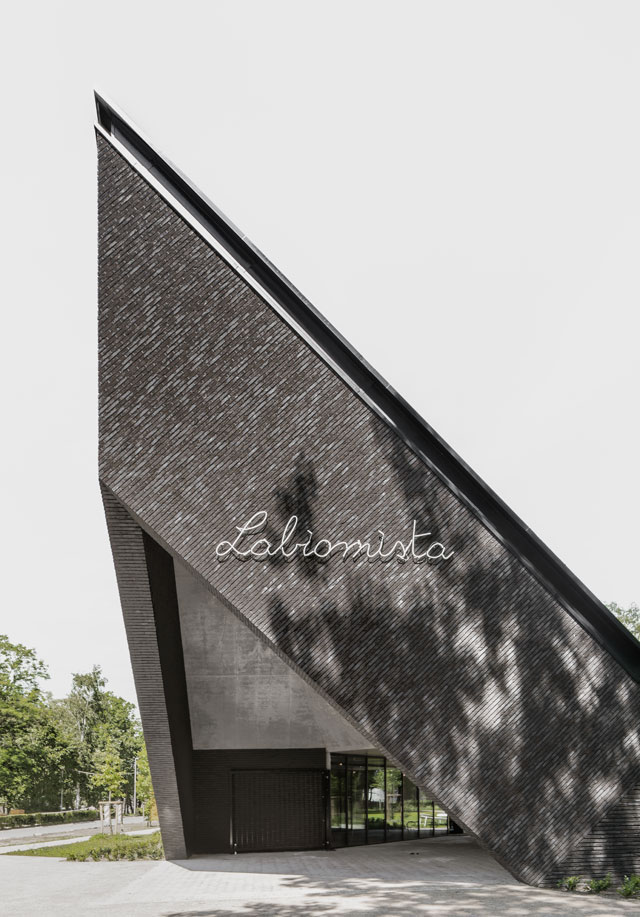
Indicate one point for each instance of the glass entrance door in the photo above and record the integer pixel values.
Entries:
(356, 801)
(373, 802)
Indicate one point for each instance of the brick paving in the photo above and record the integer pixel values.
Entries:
(447, 877)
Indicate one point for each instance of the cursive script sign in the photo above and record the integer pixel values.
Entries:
(289, 545)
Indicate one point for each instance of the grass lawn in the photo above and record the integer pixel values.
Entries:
(102, 847)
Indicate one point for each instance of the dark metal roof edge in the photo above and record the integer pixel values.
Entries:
(575, 597)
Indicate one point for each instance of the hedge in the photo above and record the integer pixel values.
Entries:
(102, 847)
(47, 818)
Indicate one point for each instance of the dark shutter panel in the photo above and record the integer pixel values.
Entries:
(278, 810)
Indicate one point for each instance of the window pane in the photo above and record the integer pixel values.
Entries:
(338, 802)
(441, 821)
(426, 816)
(356, 796)
(375, 801)
(394, 804)
(372, 802)
(410, 809)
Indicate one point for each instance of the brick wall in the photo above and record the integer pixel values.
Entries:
(468, 674)
(145, 578)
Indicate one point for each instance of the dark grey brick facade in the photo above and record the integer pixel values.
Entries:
(470, 675)
(145, 594)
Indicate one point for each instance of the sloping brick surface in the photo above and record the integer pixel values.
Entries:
(127, 543)
(468, 672)
(613, 846)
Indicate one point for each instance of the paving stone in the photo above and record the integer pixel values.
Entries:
(451, 877)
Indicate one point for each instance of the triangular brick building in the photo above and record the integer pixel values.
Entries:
(314, 669)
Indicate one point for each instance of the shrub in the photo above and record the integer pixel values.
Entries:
(570, 883)
(103, 847)
(119, 847)
(630, 887)
(47, 818)
(595, 886)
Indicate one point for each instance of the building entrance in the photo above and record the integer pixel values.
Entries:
(373, 802)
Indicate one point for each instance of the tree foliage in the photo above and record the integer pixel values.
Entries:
(108, 774)
(146, 799)
(29, 742)
(65, 752)
(630, 617)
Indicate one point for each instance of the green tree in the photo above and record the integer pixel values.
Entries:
(145, 793)
(107, 774)
(79, 715)
(53, 765)
(56, 752)
(93, 721)
(25, 734)
(119, 728)
(20, 669)
(630, 617)
(85, 702)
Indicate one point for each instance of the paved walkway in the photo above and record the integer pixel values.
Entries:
(447, 877)
(73, 829)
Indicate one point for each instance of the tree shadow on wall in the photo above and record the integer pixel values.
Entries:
(555, 741)
(479, 685)
(296, 497)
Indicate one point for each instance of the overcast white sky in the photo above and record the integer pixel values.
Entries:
(455, 185)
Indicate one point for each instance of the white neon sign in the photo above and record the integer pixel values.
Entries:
(323, 549)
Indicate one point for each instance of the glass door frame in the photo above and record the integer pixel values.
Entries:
(423, 806)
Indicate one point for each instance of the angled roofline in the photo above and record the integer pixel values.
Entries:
(307, 322)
